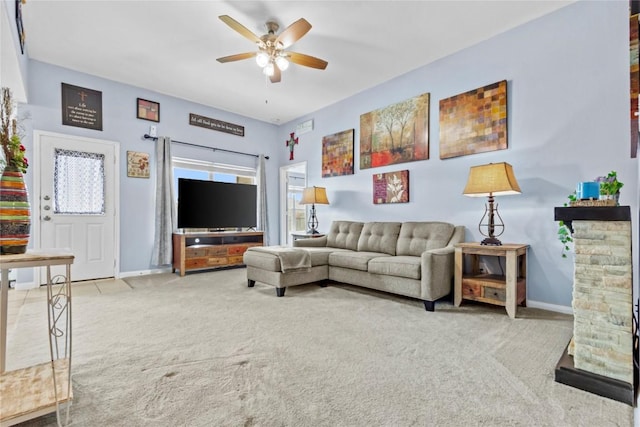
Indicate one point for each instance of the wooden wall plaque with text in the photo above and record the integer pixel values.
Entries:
(81, 107)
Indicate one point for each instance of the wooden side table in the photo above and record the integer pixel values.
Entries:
(39, 389)
(508, 289)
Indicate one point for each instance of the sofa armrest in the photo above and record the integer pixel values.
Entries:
(437, 272)
(313, 242)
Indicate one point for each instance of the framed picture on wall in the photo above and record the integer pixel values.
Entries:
(391, 187)
(137, 164)
(398, 133)
(474, 122)
(148, 110)
(20, 25)
(337, 154)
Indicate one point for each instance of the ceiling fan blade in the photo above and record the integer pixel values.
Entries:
(307, 61)
(237, 57)
(293, 33)
(277, 75)
(244, 31)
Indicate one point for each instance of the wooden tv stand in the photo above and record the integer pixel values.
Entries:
(207, 250)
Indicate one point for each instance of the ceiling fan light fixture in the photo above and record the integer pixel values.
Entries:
(282, 63)
(268, 69)
(262, 59)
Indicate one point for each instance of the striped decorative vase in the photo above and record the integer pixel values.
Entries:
(15, 216)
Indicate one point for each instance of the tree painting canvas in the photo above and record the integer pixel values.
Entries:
(337, 154)
(391, 187)
(398, 133)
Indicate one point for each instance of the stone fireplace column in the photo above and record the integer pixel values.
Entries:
(601, 360)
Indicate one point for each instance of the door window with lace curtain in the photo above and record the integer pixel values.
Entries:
(79, 183)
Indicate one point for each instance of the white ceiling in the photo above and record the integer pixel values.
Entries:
(171, 46)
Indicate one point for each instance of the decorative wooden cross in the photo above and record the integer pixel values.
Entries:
(291, 143)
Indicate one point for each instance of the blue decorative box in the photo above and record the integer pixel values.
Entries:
(587, 190)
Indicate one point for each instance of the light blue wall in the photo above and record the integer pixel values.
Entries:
(120, 124)
(568, 108)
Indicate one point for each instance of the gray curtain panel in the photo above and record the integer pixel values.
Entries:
(165, 211)
(263, 218)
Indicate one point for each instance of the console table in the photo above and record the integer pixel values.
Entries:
(40, 389)
(508, 290)
(207, 250)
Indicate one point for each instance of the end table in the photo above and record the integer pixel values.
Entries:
(508, 290)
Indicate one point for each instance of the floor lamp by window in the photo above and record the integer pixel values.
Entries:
(494, 179)
(312, 196)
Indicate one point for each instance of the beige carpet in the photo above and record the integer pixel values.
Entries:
(206, 350)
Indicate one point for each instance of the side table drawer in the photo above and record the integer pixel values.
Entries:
(471, 289)
(497, 294)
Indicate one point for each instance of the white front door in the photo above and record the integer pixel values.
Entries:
(76, 201)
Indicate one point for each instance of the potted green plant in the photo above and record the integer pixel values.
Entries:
(610, 186)
(564, 233)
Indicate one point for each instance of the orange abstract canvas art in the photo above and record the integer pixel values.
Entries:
(337, 154)
(474, 121)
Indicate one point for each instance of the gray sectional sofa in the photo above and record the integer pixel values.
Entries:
(413, 259)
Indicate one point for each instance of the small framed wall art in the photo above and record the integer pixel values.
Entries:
(81, 107)
(137, 164)
(391, 187)
(148, 110)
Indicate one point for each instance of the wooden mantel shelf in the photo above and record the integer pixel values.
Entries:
(592, 213)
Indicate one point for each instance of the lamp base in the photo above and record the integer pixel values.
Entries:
(313, 231)
(491, 241)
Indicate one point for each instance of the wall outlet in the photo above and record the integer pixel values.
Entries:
(152, 131)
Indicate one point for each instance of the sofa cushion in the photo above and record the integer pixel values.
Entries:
(320, 256)
(379, 237)
(344, 234)
(417, 237)
(353, 260)
(401, 266)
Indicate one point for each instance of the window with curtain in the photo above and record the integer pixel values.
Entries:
(79, 183)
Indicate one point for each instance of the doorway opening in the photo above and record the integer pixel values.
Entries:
(293, 180)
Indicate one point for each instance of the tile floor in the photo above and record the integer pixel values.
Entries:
(18, 298)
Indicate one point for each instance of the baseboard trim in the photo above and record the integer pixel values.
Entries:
(124, 274)
(550, 307)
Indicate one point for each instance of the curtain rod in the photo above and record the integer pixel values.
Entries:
(146, 136)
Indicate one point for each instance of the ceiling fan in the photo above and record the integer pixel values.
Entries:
(271, 54)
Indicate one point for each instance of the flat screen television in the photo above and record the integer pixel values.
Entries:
(216, 205)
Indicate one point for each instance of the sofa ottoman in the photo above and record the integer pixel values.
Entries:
(283, 266)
